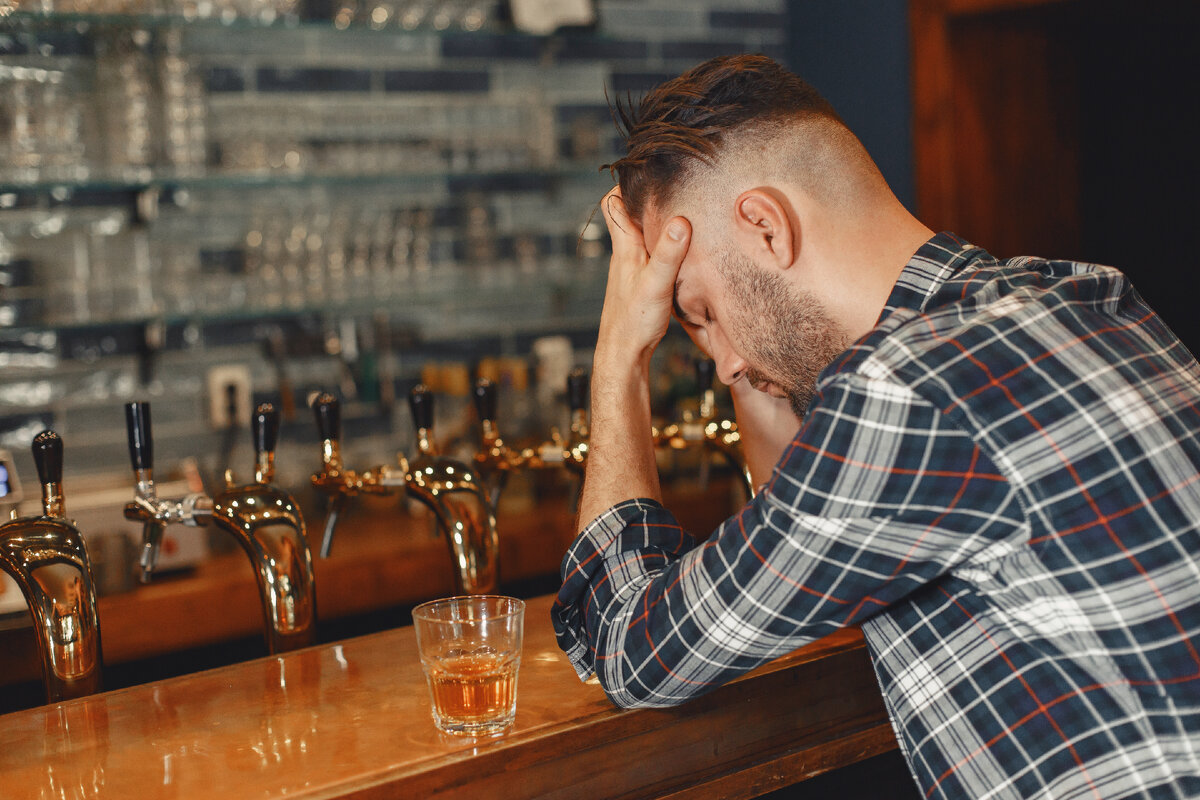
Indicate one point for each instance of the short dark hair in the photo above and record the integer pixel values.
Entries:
(687, 119)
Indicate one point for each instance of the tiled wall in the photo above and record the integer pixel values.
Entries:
(417, 194)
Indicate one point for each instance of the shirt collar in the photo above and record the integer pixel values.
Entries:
(930, 267)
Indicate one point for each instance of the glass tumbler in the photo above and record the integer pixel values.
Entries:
(470, 650)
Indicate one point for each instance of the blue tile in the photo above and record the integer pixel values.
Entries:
(89, 342)
(46, 43)
(312, 79)
(222, 262)
(701, 51)
(568, 113)
(437, 80)
(510, 47)
(16, 197)
(574, 48)
(638, 82)
(748, 20)
(82, 197)
(12, 426)
(507, 182)
(225, 79)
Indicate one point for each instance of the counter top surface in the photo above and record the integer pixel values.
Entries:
(353, 719)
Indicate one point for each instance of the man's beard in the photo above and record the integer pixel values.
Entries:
(786, 333)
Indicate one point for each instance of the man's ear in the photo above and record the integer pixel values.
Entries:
(763, 225)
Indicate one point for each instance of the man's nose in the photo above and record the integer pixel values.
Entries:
(730, 365)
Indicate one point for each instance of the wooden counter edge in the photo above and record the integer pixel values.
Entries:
(811, 711)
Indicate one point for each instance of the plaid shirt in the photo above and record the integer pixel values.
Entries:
(1000, 484)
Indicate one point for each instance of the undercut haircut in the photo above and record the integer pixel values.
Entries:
(689, 121)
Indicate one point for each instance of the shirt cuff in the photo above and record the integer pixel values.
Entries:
(597, 568)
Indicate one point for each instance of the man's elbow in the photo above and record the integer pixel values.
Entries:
(627, 689)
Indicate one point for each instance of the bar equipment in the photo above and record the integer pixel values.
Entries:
(262, 518)
(705, 431)
(47, 558)
(452, 490)
(494, 460)
(559, 452)
(568, 453)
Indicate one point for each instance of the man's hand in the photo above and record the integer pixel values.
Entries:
(767, 426)
(637, 310)
(637, 298)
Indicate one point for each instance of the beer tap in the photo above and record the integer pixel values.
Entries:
(575, 456)
(47, 558)
(494, 460)
(263, 519)
(459, 500)
(153, 512)
(333, 479)
(571, 452)
(453, 490)
(706, 431)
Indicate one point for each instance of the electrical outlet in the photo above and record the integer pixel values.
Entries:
(229, 387)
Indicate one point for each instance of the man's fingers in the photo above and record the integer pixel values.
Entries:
(626, 237)
(670, 249)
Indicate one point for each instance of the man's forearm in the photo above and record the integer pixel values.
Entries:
(767, 426)
(637, 308)
(621, 462)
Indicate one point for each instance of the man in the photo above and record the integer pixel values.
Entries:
(995, 473)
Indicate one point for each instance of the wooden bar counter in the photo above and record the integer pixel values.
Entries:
(352, 719)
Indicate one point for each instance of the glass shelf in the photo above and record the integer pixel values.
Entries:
(229, 19)
(531, 179)
(493, 300)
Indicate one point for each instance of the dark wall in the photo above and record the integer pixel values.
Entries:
(1139, 159)
(856, 53)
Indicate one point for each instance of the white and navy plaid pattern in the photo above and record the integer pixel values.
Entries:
(1001, 484)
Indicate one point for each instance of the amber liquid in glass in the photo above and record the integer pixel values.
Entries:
(474, 692)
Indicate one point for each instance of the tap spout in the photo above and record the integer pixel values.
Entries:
(266, 522)
(460, 500)
(465, 515)
(47, 558)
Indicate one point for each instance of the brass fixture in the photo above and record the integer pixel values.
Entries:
(262, 518)
(451, 489)
(706, 431)
(47, 557)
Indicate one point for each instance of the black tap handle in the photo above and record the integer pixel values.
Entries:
(329, 416)
(420, 403)
(577, 389)
(705, 367)
(264, 426)
(141, 445)
(485, 399)
(48, 455)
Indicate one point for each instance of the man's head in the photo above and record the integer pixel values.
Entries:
(784, 203)
(692, 124)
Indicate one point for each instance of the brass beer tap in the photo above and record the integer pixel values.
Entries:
(47, 558)
(575, 456)
(459, 500)
(454, 491)
(262, 518)
(704, 430)
(494, 460)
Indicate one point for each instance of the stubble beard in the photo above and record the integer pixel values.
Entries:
(786, 333)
